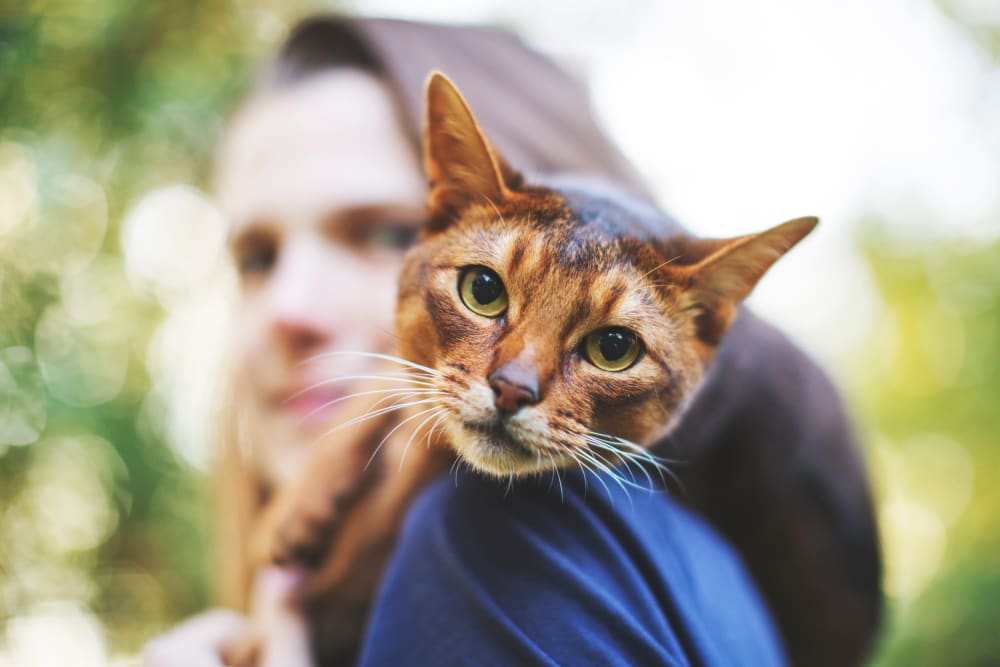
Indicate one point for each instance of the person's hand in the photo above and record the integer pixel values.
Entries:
(221, 637)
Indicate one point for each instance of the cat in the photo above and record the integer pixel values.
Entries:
(547, 327)
(552, 319)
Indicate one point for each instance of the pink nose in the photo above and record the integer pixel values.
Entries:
(511, 397)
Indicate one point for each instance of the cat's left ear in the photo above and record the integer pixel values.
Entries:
(462, 167)
(715, 285)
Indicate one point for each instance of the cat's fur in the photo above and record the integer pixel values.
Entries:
(571, 264)
(572, 261)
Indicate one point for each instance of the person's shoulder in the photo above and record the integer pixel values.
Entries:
(636, 574)
(568, 508)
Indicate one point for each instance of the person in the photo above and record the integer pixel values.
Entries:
(320, 177)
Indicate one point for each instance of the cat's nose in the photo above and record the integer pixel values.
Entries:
(511, 396)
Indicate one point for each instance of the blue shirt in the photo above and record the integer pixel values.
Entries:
(582, 574)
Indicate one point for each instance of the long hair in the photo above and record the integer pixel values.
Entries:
(536, 113)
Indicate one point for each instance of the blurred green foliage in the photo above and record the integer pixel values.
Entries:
(931, 409)
(99, 102)
(102, 101)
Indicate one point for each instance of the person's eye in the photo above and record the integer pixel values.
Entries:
(392, 236)
(258, 258)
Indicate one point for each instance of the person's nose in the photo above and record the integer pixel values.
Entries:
(299, 320)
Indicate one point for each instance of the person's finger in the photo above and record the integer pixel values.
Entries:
(285, 633)
(197, 642)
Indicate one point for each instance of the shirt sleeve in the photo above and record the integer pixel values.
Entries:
(575, 571)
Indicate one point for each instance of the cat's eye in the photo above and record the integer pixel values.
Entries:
(482, 291)
(612, 349)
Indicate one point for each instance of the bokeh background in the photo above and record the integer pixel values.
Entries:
(882, 118)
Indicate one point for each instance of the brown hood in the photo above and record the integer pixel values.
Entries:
(539, 117)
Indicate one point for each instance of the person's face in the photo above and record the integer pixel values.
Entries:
(324, 192)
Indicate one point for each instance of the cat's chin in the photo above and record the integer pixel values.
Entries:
(493, 452)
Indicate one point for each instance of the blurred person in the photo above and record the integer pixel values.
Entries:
(320, 178)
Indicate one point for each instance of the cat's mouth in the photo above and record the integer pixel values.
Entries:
(499, 438)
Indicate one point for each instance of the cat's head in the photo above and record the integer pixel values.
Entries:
(557, 322)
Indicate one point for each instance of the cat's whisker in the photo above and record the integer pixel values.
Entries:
(408, 366)
(595, 439)
(393, 430)
(638, 449)
(377, 413)
(657, 268)
(583, 470)
(409, 441)
(630, 458)
(401, 394)
(344, 378)
(555, 471)
(407, 394)
(408, 391)
(444, 415)
(497, 210)
(626, 458)
(640, 461)
(603, 467)
(404, 367)
(384, 357)
(657, 462)
(636, 457)
(597, 467)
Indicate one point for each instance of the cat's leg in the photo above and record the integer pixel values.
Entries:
(298, 523)
(338, 596)
(340, 519)
(299, 520)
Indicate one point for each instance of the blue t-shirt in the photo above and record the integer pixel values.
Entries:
(579, 574)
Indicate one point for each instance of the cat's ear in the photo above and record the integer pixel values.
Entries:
(460, 163)
(715, 285)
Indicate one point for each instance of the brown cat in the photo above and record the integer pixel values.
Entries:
(544, 328)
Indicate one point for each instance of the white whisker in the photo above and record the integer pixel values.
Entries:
(555, 471)
(377, 413)
(406, 394)
(626, 459)
(375, 355)
(657, 268)
(600, 444)
(342, 378)
(603, 467)
(409, 441)
(430, 434)
(583, 469)
(393, 430)
(408, 391)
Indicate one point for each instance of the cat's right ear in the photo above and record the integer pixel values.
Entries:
(729, 270)
(460, 164)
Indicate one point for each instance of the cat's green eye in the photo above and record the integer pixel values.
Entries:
(612, 349)
(482, 291)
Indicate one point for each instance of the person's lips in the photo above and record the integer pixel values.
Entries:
(312, 405)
